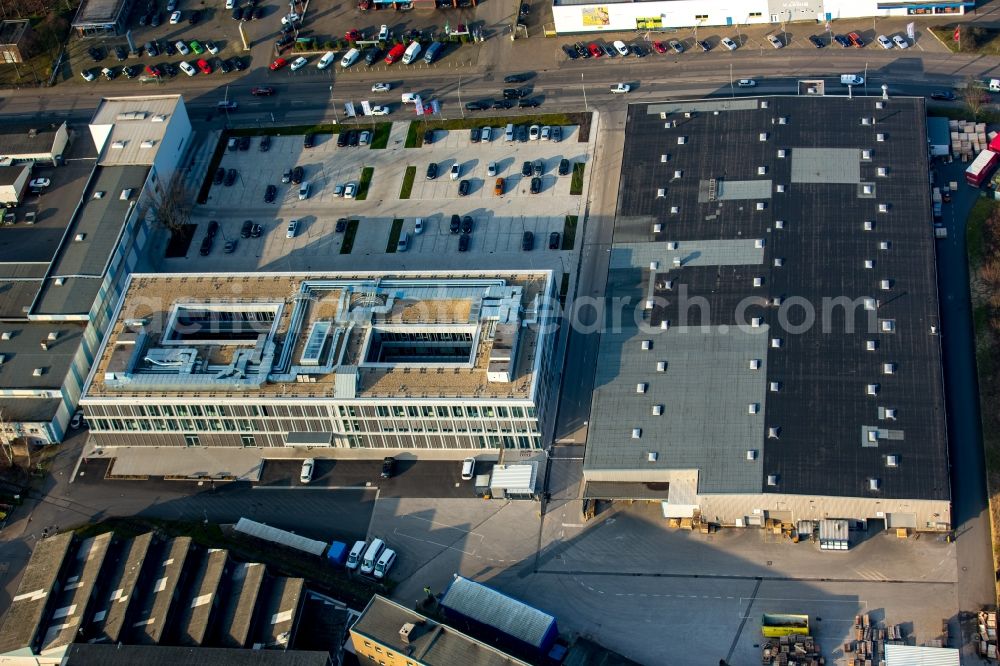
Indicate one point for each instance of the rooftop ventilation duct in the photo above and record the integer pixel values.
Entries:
(888, 368)
(890, 413)
(664, 157)
(660, 193)
(779, 262)
(763, 136)
(886, 285)
(775, 387)
(38, 372)
(873, 484)
(665, 324)
(871, 345)
(674, 210)
(755, 364)
(753, 408)
(652, 456)
(641, 387)
(681, 140)
(6, 335)
(657, 228)
(636, 433)
(880, 137)
(657, 410)
(773, 432)
(782, 153)
(761, 170)
(758, 281)
(678, 173)
(869, 225)
(671, 245)
(654, 265)
(772, 480)
(775, 343)
(661, 366)
(892, 461)
(751, 454)
(755, 322)
(882, 171)
(758, 243)
(647, 345)
(883, 208)
(869, 263)
(866, 154)
(779, 224)
(871, 389)
(883, 245)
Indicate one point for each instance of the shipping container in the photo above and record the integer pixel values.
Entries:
(981, 168)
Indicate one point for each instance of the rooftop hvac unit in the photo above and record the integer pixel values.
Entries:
(866, 121)
(678, 174)
(780, 189)
(669, 124)
(647, 345)
(677, 262)
(654, 265)
(883, 208)
(775, 343)
(657, 410)
(871, 345)
(873, 484)
(892, 461)
(871, 389)
(118, 145)
(681, 140)
(3, 357)
(665, 324)
(869, 225)
(773, 432)
(880, 137)
(671, 245)
(758, 281)
(657, 228)
(636, 433)
(763, 104)
(890, 413)
(674, 210)
(753, 408)
(45, 345)
(879, 105)
(652, 456)
(869, 303)
(761, 170)
(763, 136)
(772, 480)
(664, 157)
(755, 364)
(650, 303)
(640, 387)
(668, 285)
(883, 245)
(751, 454)
(5, 335)
(663, 115)
(869, 263)
(779, 224)
(661, 366)
(782, 152)
(158, 119)
(867, 189)
(866, 154)
(886, 285)
(779, 262)
(688, 114)
(888, 325)
(79, 237)
(53, 335)
(873, 436)
(882, 171)
(660, 193)
(783, 120)
(60, 281)
(888, 368)
(775, 387)
(148, 143)
(758, 243)
(777, 301)
(755, 322)
(38, 372)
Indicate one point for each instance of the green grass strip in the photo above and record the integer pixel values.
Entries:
(569, 232)
(394, 233)
(366, 181)
(404, 191)
(380, 137)
(576, 185)
(349, 234)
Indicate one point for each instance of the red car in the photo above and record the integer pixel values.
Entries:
(352, 35)
(154, 71)
(659, 47)
(855, 39)
(395, 54)
(261, 91)
(278, 64)
(204, 66)
(595, 50)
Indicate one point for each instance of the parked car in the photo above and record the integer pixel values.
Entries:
(381, 110)
(620, 88)
(533, 132)
(463, 188)
(182, 48)
(298, 63)
(187, 68)
(223, 66)
(261, 91)
(286, 176)
(704, 46)
(477, 106)
(395, 53)
(270, 193)
(292, 229)
(595, 50)
(231, 177)
(900, 41)
(309, 140)
(570, 52)
(564, 167)
(884, 42)
(842, 40)
(196, 47)
(278, 64)
(467, 224)
(456, 224)
(247, 229)
(326, 60)
(463, 242)
(175, 18)
(204, 66)
(350, 190)
(527, 241)
(498, 187)
(418, 226)
(381, 87)
(364, 138)
(432, 171)
(620, 47)
(206, 246)
(88, 75)
(816, 41)
(298, 173)
(527, 104)
(637, 50)
(526, 169)
(729, 44)
(220, 175)
(341, 226)
(194, 17)
(211, 47)
(554, 240)
(676, 46)
(659, 47)
(536, 185)
(775, 41)
(372, 55)
(388, 465)
(855, 40)
(746, 83)
(474, 134)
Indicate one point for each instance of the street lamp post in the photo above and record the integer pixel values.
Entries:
(583, 86)
(461, 107)
(866, 79)
(732, 88)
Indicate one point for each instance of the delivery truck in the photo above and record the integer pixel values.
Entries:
(981, 168)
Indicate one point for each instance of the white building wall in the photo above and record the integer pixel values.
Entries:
(173, 145)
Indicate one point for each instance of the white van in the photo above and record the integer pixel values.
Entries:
(372, 555)
(411, 53)
(385, 562)
(409, 98)
(404, 242)
(349, 58)
(354, 557)
(851, 80)
(468, 469)
(508, 134)
(994, 85)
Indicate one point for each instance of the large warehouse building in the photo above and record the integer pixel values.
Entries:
(784, 359)
(380, 360)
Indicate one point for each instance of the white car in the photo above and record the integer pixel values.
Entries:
(381, 87)
(620, 47)
(230, 4)
(383, 33)
(409, 98)
(884, 42)
(212, 48)
(418, 226)
(620, 88)
(486, 135)
(175, 18)
(746, 83)
(533, 132)
(729, 44)
(380, 110)
(298, 63)
(291, 18)
(326, 60)
(775, 42)
(546, 133)
(87, 75)
(187, 68)
(308, 465)
(350, 190)
(293, 228)
(456, 171)
(182, 48)
(350, 58)
(900, 41)
(491, 169)
(40, 183)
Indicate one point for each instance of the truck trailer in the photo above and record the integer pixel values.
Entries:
(982, 168)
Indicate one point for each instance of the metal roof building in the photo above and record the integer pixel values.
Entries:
(783, 360)
(916, 655)
(486, 611)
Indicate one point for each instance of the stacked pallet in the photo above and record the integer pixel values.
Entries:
(968, 139)
(987, 637)
(791, 650)
(870, 639)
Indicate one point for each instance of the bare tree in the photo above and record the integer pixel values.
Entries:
(7, 437)
(974, 96)
(172, 208)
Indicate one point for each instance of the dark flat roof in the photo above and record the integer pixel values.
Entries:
(28, 138)
(27, 410)
(83, 654)
(23, 353)
(821, 406)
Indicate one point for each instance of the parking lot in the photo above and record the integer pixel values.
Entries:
(499, 222)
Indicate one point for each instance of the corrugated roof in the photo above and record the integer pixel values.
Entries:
(23, 620)
(514, 477)
(492, 608)
(138, 126)
(83, 654)
(273, 534)
(916, 655)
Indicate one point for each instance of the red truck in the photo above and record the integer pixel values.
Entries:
(982, 168)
